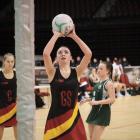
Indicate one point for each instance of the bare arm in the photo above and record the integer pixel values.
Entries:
(47, 55)
(85, 49)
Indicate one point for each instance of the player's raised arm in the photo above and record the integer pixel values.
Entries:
(47, 55)
(86, 51)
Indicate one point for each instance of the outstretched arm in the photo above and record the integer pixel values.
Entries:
(86, 51)
(47, 55)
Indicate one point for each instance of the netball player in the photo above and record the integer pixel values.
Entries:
(103, 96)
(64, 121)
(8, 92)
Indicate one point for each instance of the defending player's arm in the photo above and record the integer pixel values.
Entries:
(47, 55)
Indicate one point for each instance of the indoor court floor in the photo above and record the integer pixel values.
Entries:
(125, 122)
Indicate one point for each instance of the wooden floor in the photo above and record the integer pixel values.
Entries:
(125, 122)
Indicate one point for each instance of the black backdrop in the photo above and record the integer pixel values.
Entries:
(114, 34)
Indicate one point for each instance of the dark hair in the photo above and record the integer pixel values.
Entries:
(65, 47)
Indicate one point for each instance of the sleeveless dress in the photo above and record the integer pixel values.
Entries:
(64, 121)
(100, 114)
(8, 90)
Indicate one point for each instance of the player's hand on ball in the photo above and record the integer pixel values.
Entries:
(72, 33)
(59, 34)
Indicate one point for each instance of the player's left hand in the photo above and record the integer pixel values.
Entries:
(72, 33)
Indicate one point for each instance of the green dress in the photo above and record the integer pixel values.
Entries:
(100, 114)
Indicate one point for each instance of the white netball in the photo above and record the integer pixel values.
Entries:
(62, 23)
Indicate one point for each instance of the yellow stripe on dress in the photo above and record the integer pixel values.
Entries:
(52, 133)
(8, 115)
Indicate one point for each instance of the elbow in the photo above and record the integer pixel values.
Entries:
(89, 54)
(45, 54)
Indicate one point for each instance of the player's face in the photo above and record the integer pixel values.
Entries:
(63, 55)
(102, 70)
(9, 63)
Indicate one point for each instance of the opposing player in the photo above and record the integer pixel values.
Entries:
(103, 96)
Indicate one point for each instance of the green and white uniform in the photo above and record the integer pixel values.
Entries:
(100, 114)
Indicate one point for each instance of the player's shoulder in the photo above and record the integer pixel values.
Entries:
(109, 83)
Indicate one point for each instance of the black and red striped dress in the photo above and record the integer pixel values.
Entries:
(8, 91)
(64, 121)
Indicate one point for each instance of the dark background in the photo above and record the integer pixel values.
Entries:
(109, 27)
